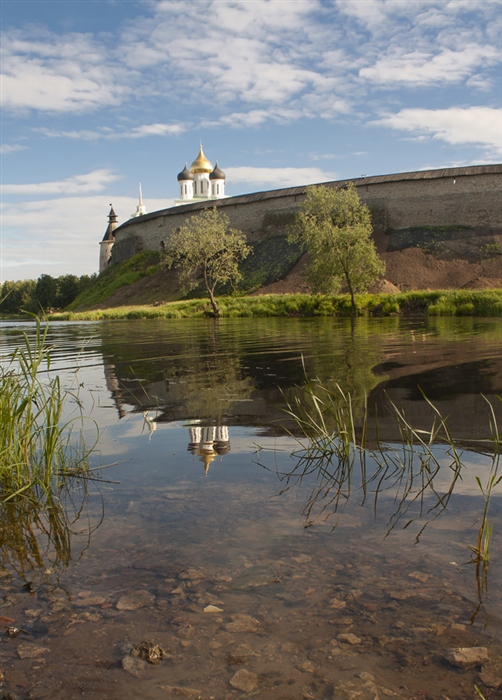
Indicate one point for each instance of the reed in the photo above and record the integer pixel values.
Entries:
(333, 442)
(38, 449)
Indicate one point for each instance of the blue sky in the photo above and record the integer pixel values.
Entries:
(98, 96)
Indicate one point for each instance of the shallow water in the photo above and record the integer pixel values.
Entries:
(312, 600)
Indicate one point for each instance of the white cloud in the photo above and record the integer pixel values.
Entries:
(246, 63)
(50, 73)
(264, 54)
(6, 148)
(455, 125)
(107, 133)
(424, 68)
(61, 235)
(96, 181)
(152, 130)
(277, 178)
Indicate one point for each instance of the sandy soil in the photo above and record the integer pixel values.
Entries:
(408, 270)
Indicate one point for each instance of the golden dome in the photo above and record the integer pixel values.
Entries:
(201, 164)
(206, 457)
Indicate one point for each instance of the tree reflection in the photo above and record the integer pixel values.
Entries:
(215, 371)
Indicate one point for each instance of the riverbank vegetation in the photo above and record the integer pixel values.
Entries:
(38, 449)
(207, 247)
(334, 227)
(421, 303)
(42, 294)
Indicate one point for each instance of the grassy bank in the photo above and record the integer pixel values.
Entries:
(425, 303)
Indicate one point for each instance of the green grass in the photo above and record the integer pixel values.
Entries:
(116, 276)
(38, 451)
(422, 303)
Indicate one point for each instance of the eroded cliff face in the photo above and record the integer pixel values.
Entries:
(454, 204)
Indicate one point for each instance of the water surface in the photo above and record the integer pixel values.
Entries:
(315, 597)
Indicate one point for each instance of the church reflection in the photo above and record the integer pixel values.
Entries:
(208, 442)
(205, 442)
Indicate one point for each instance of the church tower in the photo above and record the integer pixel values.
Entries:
(186, 179)
(106, 244)
(217, 179)
(140, 209)
(201, 182)
(200, 169)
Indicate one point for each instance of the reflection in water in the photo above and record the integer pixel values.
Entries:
(351, 606)
(241, 371)
(419, 473)
(208, 442)
(37, 534)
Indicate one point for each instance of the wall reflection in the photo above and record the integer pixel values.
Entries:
(245, 371)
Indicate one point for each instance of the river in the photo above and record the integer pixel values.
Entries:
(259, 570)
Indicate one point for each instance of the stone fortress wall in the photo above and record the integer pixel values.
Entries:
(468, 197)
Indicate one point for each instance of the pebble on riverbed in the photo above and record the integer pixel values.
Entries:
(135, 600)
(244, 680)
(467, 657)
(349, 638)
(149, 651)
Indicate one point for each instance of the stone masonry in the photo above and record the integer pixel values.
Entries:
(467, 197)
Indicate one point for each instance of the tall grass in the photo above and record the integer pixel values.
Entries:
(332, 432)
(38, 451)
(420, 303)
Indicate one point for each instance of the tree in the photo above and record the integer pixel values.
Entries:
(335, 228)
(206, 247)
(67, 290)
(46, 292)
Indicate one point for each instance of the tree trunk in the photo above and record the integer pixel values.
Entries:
(216, 308)
(210, 291)
(352, 297)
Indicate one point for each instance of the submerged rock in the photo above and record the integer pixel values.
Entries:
(27, 650)
(243, 623)
(244, 680)
(135, 600)
(182, 692)
(136, 667)
(149, 651)
(254, 578)
(466, 657)
(349, 638)
(212, 609)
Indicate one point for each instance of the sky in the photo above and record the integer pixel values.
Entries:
(98, 96)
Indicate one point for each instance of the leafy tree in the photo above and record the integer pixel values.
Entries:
(206, 247)
(46, 292)
(67, 289)
(335, 228)
(17, 296)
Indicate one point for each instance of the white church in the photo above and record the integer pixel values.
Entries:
(202, 182)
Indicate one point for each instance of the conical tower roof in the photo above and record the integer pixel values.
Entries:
(112, 225)
(217, 173)
(185, 174)
(201, 164)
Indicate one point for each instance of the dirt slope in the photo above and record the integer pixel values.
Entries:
(408, 269)
(411, 269)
